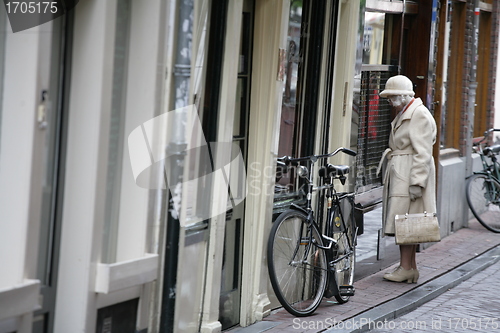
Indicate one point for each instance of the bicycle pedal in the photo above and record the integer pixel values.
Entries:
(346, 290)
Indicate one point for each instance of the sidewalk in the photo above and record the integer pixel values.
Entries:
(372, 291)
(472, 306)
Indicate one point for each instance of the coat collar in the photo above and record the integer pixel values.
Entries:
(398, 121)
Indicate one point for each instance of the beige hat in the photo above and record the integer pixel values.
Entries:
(398, 85)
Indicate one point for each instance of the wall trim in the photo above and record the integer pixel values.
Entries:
(271, 26)
(126, 274)
(19, 299)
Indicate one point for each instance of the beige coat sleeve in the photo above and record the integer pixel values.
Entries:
(422, 136)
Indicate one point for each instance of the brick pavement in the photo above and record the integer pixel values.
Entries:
(472, 306)
(451, 252)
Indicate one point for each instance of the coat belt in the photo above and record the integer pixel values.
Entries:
(389, 153)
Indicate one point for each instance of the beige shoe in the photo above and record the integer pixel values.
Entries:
(401, 275)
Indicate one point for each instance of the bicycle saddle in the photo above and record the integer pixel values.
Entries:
(492, 149)
(331, 170)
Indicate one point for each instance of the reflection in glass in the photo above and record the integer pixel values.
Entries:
(373, 39)
(289, 104)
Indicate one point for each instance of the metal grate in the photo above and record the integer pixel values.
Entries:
(374, 129)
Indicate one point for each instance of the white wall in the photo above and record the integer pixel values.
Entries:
(22, 82)
(90, 104)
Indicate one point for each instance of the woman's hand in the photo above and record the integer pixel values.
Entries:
(415, 192)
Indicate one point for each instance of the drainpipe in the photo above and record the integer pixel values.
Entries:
(176, 147)
(472, 96)
(401, 37)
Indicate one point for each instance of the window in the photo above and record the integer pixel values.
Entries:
(483, 112)
(374, 127)
(451, 120)
(379, 62)
(373, 38)
(303, 73)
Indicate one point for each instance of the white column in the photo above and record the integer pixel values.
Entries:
(86, 164)
(145, 67)
(16, 150)
(17, 143)
(345, 55)
(271, 26)
(210, 319)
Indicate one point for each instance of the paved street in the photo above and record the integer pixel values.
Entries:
(459, 258)
(370, 255)
(472, 306)
(367, 242)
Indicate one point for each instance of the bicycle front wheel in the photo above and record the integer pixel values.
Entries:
(483, 197)
(297, 267)
(344, 259)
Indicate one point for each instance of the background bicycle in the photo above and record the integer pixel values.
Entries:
(309, 257)
(483, 187)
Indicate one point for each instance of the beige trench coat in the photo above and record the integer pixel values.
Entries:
(410, 162)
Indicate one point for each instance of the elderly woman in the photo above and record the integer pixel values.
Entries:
(410, 173)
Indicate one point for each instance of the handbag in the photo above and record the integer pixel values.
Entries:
(417, 228)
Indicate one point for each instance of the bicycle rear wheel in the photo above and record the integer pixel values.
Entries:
(297, 267)
(483, 197)
(344, 255)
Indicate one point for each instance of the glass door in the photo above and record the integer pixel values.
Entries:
(301, 102)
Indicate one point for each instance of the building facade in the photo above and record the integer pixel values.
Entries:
(138, 144)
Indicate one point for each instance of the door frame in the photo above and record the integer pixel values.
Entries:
(270, 31)
(59, 107)
(224, 133)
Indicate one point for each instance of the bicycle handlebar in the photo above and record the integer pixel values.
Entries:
(485, 136)
(491, 130)
(313, 158)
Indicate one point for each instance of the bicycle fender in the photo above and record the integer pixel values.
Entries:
(477, 173)
(297, 207)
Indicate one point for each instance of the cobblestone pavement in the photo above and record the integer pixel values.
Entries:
(367, 242)
(472, 306)
(371, 291)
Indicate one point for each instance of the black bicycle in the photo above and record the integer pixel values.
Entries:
(483, 187)
(310, 259)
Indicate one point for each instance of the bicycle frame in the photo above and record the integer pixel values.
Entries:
(487, 167)
(483, 187)
(306, 264)
(491, 170)
(334, 201)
